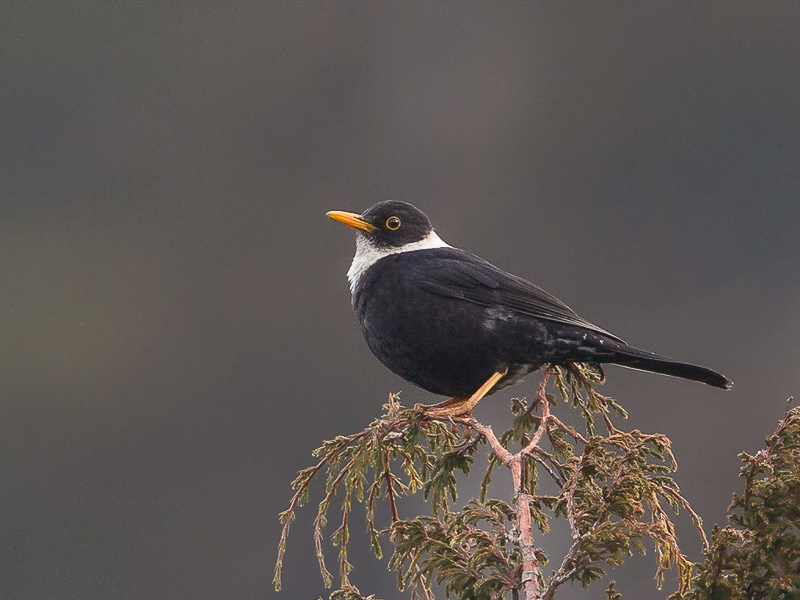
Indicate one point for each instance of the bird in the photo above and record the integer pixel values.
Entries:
(455, 325)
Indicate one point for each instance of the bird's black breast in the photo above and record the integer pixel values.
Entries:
(426, 330)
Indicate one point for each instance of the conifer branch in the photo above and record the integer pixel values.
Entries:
(612, 487)
(758, 554)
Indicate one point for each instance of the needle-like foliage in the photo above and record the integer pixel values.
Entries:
(758, 555)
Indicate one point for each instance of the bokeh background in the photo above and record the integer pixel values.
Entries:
(175, 321)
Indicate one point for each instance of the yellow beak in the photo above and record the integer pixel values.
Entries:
(351, 220)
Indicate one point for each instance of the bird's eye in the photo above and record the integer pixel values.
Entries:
(392, 223)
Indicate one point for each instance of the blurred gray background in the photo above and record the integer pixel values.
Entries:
(175, 320)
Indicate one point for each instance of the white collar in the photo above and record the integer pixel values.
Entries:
(367, 254)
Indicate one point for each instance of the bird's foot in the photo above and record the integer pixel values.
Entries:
(454, 407)
(452, 402)
(460, 407)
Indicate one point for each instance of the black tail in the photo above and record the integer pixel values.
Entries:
(633, 358)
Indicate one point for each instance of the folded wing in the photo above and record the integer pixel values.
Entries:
(455, 273)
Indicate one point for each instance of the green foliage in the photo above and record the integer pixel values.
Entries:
(758, 556)
(616, 493)
(470, 560)
(364, 466)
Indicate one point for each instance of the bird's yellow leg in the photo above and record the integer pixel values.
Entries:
(461, 406)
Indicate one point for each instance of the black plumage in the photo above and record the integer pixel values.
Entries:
(446, 320)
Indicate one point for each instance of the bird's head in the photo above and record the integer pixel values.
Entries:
(388, 225)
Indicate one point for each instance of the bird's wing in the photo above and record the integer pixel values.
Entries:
(456, 273)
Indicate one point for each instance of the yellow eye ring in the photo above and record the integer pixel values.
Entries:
(392, 223)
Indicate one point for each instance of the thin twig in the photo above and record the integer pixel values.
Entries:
(564, 572)
(571, 431)
(570, 498)
(548, 463)
(421, 584)
(486, 431)
(698, 521)
(537, 436)
(343, 565)
(387, 474)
